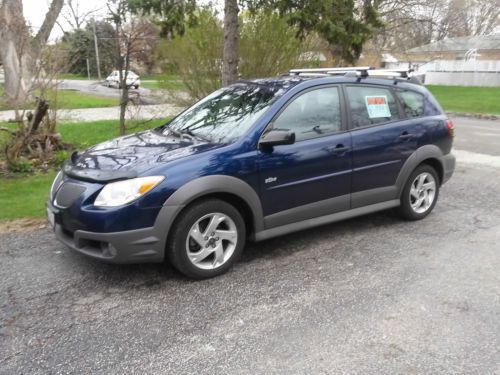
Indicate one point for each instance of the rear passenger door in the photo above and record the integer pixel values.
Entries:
(381, 140)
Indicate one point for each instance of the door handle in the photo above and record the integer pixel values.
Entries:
(339, 149)
(405, 136)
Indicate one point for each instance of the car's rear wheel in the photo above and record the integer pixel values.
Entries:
(207, 238)
(420, 193)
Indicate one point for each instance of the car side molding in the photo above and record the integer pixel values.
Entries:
(326, 219)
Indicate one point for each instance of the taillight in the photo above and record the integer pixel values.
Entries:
(450, 127)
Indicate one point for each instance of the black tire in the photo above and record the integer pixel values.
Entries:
(177, 242)
(406, 210)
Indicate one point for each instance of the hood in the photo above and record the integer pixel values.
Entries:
(128, 156)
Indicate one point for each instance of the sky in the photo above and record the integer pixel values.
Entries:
(35, 10)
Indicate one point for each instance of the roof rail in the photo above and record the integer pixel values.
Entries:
(329, 70)
(358, 71)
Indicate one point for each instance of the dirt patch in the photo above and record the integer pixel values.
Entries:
(22, 225)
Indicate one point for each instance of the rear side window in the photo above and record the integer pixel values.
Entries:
(313, 114)
(371, 105)
(413, 103)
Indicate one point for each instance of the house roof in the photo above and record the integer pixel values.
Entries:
(464, 43)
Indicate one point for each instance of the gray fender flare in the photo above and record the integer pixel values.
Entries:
(200, 187)
(421, 154)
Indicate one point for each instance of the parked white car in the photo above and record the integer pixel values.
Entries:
(132, 79)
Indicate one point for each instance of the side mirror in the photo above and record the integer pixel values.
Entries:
(276, 137)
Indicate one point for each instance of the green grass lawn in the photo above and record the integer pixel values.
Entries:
(159, 77)
(24, 196)
(86, 134)
(468, 99)
(69, 99)
(170, 82)
(169, 85)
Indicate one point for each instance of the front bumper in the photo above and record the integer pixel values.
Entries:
(130, 246)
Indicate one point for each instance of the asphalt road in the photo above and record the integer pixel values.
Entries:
(477, 135)
(366, 296)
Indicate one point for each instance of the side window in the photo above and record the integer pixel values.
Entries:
(313, 114)
(413, 103)
(371, 105)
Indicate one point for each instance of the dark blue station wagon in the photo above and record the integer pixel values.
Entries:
(255, 160)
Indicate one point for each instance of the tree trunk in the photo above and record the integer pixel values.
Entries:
(123, 106)
(31, 140)
(230, 58)
(14, 39)
(15, 86)
(123, 74)
(19, 52)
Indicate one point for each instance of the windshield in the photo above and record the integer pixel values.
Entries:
(226, 114)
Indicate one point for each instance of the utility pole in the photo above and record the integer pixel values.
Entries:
(88, 68)
(96, 51)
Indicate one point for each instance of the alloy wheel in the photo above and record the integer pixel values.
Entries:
(422, 192)
(211, 241)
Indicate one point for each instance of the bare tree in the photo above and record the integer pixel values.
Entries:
(35, 139)
(471, 17)
(411, 23)
(133, 36)
(74, 16)
(19, 51)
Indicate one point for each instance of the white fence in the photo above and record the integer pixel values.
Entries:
(450, 66)
(460, 66)
(456, 72)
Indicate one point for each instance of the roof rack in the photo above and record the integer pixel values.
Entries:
(328, 70)
(359, 71)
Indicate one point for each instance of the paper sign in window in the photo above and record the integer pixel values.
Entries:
(377, 106)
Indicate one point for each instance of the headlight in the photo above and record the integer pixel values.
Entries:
(122, 192)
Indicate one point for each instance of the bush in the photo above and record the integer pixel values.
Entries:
(21, 166)
(60, 157)
(267, 45)
(197, 55)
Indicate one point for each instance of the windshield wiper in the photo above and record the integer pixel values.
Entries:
(175, 133)
(195, 135)
(190, 133)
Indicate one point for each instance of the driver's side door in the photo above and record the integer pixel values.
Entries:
(311, 177)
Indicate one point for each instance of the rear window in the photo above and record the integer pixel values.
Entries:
(413, 103)
(371, 105)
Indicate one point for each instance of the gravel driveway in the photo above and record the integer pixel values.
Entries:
(369, 295)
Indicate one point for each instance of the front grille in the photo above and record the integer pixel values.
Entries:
(68, 193)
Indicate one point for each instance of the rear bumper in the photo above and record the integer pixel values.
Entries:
(448, 162)
(132, 246)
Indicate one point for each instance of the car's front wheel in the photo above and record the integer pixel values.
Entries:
(420, 193)
(207, 238)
